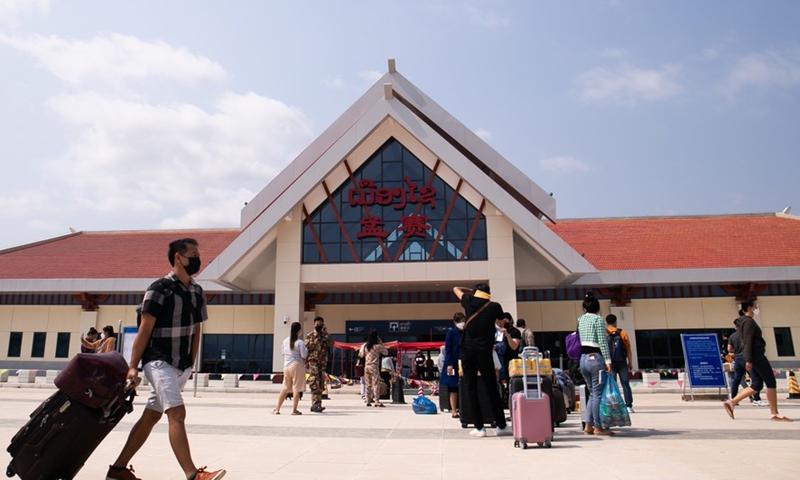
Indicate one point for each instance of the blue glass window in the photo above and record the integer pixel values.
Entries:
(395, 212)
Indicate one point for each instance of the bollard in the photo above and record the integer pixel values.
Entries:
(50, 376)
(397, 391)
(794, 390)
(231, 380)
(4, 376)
(26, 376)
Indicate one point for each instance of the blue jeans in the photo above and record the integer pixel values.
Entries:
(592, 366)
(621, 369)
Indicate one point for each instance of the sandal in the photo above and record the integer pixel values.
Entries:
(369, 404)
(455, 415)
(780, 418)
(728, 407)
(603, 433)
(379, 404)
(276, 412)
(297, 412)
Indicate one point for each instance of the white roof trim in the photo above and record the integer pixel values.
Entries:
(94, 285)
(692, 275)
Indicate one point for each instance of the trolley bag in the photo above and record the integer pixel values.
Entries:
(516, 384)
(444, 399)
(61, 435)
(558, 404)
(465, 412)
(531, 421)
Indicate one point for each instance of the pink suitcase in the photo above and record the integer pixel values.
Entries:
(530, 410)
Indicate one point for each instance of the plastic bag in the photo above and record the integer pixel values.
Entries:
(613, 412)
(423, 406)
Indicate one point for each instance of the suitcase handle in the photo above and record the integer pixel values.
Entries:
(527, 353)
(57, 428)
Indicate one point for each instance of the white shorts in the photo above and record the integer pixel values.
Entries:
(167, 383)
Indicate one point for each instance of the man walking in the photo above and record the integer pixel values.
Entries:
(318, 344)
(483, 318)
(171, 317)
(619, 347)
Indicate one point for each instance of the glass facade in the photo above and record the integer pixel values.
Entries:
(243, 353)
(394, 209)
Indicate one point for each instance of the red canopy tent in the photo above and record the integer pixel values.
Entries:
(400, 346)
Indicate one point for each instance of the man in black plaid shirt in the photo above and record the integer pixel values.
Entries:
(171, 317)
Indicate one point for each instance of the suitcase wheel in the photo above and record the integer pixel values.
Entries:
(524, 446)
(464, 425)
(10, 471)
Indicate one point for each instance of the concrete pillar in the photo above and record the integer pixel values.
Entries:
(288, 289)
(502, 274)
(231, 380)
(3, 376)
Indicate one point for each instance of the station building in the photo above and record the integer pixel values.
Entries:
(373, 224)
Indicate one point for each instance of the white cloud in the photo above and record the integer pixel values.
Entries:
(11, 10)
(175, 166)
(371, 76)
(114, 59)
(333, 81)
(486, 18)
(484, 134)
(773, 68)
(563, 165)
(627, 85)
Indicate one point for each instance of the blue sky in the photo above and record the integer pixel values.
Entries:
(142, 115)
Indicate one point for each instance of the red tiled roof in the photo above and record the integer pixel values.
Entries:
(685, 242)
(609, 244)
(137, 254)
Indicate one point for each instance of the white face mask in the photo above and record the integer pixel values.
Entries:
(460, 325)
(756, 311)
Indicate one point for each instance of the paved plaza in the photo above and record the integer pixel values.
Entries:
(669, 439)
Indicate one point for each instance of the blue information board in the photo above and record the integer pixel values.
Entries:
(703, 360)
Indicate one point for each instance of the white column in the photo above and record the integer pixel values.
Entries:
(288, 289)
(500, 247)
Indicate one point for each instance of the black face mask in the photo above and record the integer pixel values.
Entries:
(193, 267)
(318, 328)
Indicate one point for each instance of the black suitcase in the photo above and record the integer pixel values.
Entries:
(444, 399)
(465, 412)
(559, 410)
(515, 385)
(60, 436)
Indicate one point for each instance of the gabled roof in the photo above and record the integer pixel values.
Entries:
(393, 96)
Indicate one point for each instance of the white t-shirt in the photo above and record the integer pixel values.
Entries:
(387, 363)
(295, 355)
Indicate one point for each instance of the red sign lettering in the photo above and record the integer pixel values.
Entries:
(367, 195)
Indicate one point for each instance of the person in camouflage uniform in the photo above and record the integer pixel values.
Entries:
(318, 344)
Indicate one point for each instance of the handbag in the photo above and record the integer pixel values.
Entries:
(613, 412)
(573, 343)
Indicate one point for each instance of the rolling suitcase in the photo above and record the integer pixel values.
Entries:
(466, 413)
(67, 427)
(444, 399)
(531, 421)
(559, 406)
(515, 384)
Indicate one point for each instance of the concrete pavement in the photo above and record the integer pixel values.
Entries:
(669, 439)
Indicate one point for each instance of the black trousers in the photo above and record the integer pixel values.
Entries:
(473, 362)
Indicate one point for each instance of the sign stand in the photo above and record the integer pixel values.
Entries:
(703, 362)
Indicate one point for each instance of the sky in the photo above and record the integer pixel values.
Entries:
(122, 115)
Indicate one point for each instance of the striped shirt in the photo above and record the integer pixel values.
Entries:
(592, 330)
(177, 310)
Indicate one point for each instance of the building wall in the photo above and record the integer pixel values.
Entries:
(549, 316)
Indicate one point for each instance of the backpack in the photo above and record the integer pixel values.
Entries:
(616, 346)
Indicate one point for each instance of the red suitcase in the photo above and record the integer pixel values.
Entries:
(530, 411)
(64, 431)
